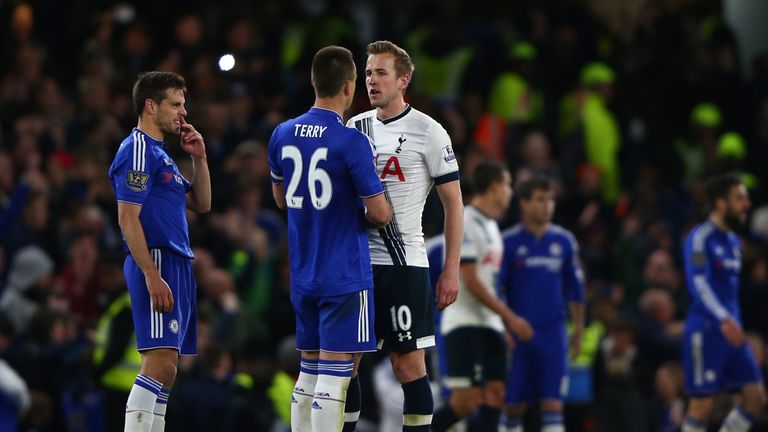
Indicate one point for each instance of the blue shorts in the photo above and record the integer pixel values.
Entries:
(176, 329)
(341, 324)
(539, 367)
(711, 363)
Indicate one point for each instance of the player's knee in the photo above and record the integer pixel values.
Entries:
(160, 365)
(465, 401)
(754, 398)
(408, 368)
(516, 410)
(699, 408)
(551, 405)
(493, 394)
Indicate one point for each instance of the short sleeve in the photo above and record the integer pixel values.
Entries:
(275, 169)
(133, 171)
(439, 157)
(361, 164)
(470, 248)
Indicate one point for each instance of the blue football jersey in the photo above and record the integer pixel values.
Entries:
(327, 168)
(539, 275)
(143, 173)
(712, 268)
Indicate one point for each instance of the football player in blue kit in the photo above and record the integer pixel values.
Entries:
(715, 353)
(323, 173)
(541, 272)
(152, 199)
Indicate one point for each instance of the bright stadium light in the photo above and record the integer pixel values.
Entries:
(226, 62)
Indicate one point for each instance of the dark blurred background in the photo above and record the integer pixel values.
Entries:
(627, 104)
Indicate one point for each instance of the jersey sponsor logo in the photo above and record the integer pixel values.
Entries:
(400, 141)
(173, 326)
(719, 250)
(555, 249)
(392, 168)
(448, 155)
(729, 264)
(402, 336)
(316, 405)
(549, 263)
(522, 250)
(136, 181)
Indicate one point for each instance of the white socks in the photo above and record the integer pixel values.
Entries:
(140, 408)
(161, 404)
(303, 394)
(333, 378)
(738, 420)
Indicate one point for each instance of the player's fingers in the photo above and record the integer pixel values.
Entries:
(183, 120)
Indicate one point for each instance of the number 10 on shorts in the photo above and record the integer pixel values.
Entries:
(401, 321)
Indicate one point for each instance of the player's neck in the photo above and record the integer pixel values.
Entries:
(150, 128)
(535, 228)
(486, 207)
(332, 104)
(393, 109)
(719, 221)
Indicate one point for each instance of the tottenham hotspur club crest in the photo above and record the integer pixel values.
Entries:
(400, 140)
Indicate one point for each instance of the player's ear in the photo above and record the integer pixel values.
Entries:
(405, 79)
(149, 106)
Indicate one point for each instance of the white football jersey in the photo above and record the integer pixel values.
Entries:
(484, 246)
(413, 153)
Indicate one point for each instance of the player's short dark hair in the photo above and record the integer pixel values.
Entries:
(331, 68)
(403, 63)
(527, 187)
(486, 174)
(720, 186)
(155, 85)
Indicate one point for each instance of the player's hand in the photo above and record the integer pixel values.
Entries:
(574, 342)
(159, 292)
(191, 140)
(520, 327)
(446, 290)
(732, 332)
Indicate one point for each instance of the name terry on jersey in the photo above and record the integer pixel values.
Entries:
(308, 131)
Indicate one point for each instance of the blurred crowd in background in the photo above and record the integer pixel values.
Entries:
(628, 105)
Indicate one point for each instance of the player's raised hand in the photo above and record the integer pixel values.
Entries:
(446, 290)
(159, 293)
(732, 332)
(191, 140)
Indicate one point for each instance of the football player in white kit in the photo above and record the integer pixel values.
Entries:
(414, 152)
(473, 328)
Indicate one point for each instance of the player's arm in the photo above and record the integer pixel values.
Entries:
(130, 224)
(447, 287)
(573, 281)
(700, 282)
(278, 192)
(199, 198)
(475, 286)
(378, 210)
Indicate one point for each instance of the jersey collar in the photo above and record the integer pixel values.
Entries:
(397, 117)
(151, 139)
(325, 112)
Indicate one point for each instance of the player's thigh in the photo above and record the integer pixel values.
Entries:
(705, 355)
(494, 361)
(404, 308)
(186, 304)
(307, 311)
(521, 374)
(464, 358)
(155, 329)
(346, 322)
(552, 379)
(741, 368)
